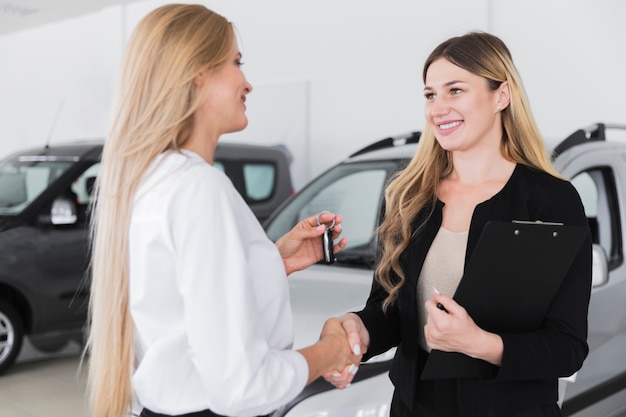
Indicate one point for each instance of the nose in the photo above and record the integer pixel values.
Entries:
(248, 88)
(438, 107)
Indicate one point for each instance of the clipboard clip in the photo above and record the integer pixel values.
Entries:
(538, 222)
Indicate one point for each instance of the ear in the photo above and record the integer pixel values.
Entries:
(199, 79)
(503, 96)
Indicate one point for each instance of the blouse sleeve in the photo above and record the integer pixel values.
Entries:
(226, 339)
(383, 326)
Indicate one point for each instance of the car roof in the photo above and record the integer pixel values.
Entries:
(72, 150)
(404, 146)
(397, 147)
(86, 148)
(405, 151)
(242, 151)
(587, 138)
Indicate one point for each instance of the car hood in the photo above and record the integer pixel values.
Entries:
(8, 222)
(323, 291)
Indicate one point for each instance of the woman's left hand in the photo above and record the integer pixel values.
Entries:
(453, 330)
(301, 247)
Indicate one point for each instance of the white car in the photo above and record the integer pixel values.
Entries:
(354, 188)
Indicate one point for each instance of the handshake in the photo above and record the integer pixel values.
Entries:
(337, 354)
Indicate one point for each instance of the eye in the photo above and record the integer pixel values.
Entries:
(239, 62)
(429, 96)
(455, 91)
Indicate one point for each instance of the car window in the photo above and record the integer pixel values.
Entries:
(355, 191)
(219, 165)
(357, 198)
(255, 181)
(597, 191)
(259, 179)
(23, 179)
(83, 186)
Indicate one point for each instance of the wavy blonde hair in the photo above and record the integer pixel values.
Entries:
(155, 102)
(415, 188)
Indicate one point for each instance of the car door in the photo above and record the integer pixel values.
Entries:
(60, 258)
(599, 175)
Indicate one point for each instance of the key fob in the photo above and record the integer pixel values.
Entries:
(327, 245)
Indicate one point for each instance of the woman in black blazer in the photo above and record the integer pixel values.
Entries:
(481, 158)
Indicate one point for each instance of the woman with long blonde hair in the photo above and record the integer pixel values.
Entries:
(481, 158)
(189, 308)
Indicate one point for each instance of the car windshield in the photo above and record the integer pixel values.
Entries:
(354, 190)
(24, 178)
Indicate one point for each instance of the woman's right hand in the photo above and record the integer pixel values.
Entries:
(359, 339)
(301, 247)
(331, 353)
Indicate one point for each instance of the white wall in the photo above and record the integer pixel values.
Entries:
(330, 76)
(69, 66)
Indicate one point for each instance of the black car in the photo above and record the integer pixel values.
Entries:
(45, 196)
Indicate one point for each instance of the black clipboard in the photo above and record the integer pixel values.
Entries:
(508, 284)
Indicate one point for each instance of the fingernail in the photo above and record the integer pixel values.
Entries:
(356, 349)
(320, 227)
(353, 369)
(348, 385)
(336, 375)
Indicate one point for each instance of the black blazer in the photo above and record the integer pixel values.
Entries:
(531, 362)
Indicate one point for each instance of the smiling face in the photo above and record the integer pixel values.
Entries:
(223, 108)
(460, 108)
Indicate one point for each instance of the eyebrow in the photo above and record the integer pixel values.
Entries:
(448, 84)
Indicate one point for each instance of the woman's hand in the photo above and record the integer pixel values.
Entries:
(301, 247)
(449, 328)
(331, 353)
(359, 339)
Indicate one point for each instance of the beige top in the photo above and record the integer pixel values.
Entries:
(442, 269)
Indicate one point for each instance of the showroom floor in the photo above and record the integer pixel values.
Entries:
(44, 385)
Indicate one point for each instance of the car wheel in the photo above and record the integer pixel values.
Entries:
(11, 335)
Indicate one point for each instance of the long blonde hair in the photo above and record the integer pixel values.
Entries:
(155, 102)
(414, 189)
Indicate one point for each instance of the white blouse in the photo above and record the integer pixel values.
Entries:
(208, 297)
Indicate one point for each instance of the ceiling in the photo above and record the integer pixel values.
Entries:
(16, 15)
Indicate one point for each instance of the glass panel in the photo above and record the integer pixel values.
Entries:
(22, 181)
(219, 166)
(83, 186)
(259, 179)
(357, 198)
(353, 190)
(598, 193)
(588, 193)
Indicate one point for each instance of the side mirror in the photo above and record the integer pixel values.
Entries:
(600, 266)
(63, 211)
(90, 184)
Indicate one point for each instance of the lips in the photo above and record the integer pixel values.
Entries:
(449, 125)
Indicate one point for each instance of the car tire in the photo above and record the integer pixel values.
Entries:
(50, 343)
(11, 335)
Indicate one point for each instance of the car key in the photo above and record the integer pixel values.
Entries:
(327, 241)
(327, 245)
